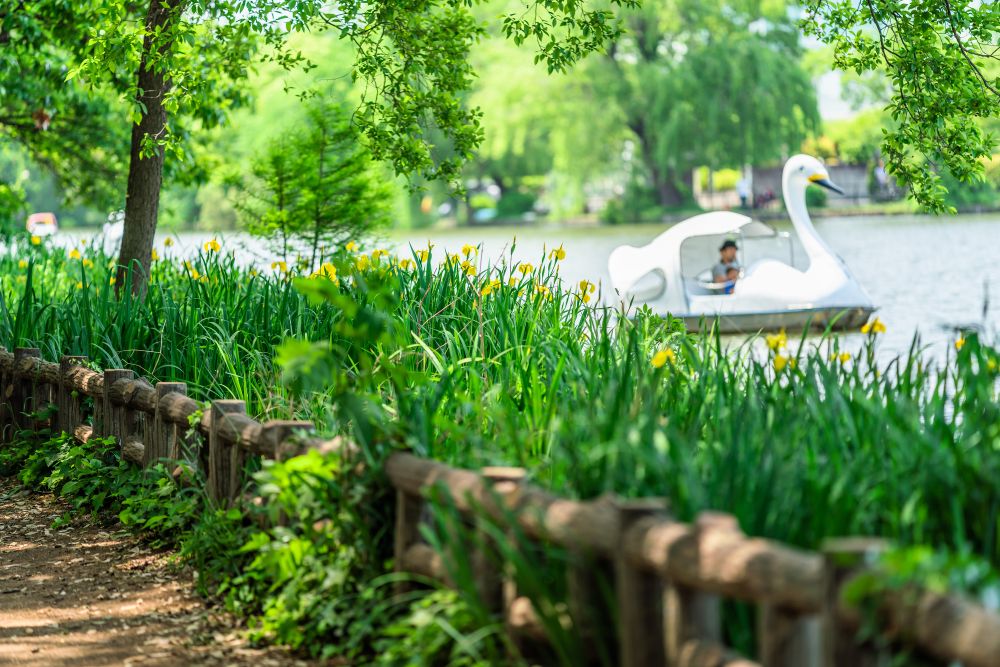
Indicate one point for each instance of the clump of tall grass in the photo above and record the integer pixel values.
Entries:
(511, 365)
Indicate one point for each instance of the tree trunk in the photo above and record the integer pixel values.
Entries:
(665, 184)
(145, 174)
(663, 179)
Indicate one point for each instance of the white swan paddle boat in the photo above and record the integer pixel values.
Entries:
(672, 274)
(42, 224)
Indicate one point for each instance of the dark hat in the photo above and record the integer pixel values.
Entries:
(728, 243)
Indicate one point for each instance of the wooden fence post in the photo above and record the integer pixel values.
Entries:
(407, 531)
(843, 557)
(590, 586)
(691, 615)
(69, 414)
(276, 434)
(113, 421)
(488, 566)
(163, 438)
(23, 392)
(225, 462)
(788, 639)
(6, 416)
(639, 596)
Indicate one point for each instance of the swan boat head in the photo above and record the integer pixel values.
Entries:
(802, 170)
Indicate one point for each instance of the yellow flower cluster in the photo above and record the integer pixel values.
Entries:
(586, 289)
(326, 270)
(422, 255)
(468, 267)
(406, 264)
(843, 357)
(36, 240)
(776, 341)
(558, 254)
(167, 242)
(661, 358)
(960, 343)
(469, 250)
(874, 327)
(490, 287)
(74, 254)
(781, 362)
(526, 269)
(212, 246)
(280, 266)
(351, 246)
(154, 256)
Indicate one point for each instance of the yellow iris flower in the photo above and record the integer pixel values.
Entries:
(776, 341)
(874, 327)
(660, 359)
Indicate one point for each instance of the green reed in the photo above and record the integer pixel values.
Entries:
(512, 366)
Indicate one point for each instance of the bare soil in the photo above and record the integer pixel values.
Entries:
(85, 596)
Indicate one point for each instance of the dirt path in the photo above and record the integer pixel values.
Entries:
(88, 597)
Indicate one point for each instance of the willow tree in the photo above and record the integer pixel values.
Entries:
(716, 81)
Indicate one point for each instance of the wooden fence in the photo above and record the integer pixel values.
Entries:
(668, 578)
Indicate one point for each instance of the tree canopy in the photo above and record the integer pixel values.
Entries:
(70, 129)
(711, 82)
(941, 59)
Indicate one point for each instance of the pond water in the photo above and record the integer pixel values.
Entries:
(928, 276)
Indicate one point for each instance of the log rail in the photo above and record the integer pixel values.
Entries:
(668, 577)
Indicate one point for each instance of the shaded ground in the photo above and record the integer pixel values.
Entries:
(87, 596)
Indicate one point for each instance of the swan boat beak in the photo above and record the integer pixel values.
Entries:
(824, 180)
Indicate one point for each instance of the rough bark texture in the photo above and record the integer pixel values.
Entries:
(145, 174)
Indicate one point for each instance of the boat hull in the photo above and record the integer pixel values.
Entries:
(816, 319)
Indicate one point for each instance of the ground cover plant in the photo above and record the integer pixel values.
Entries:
(484, 363)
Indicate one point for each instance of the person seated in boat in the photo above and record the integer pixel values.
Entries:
(727, 270)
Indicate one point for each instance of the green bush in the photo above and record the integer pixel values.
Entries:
(514, 204)
(815, 197)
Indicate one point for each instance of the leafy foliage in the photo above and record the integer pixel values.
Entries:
(940, 58)
(68, 128)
